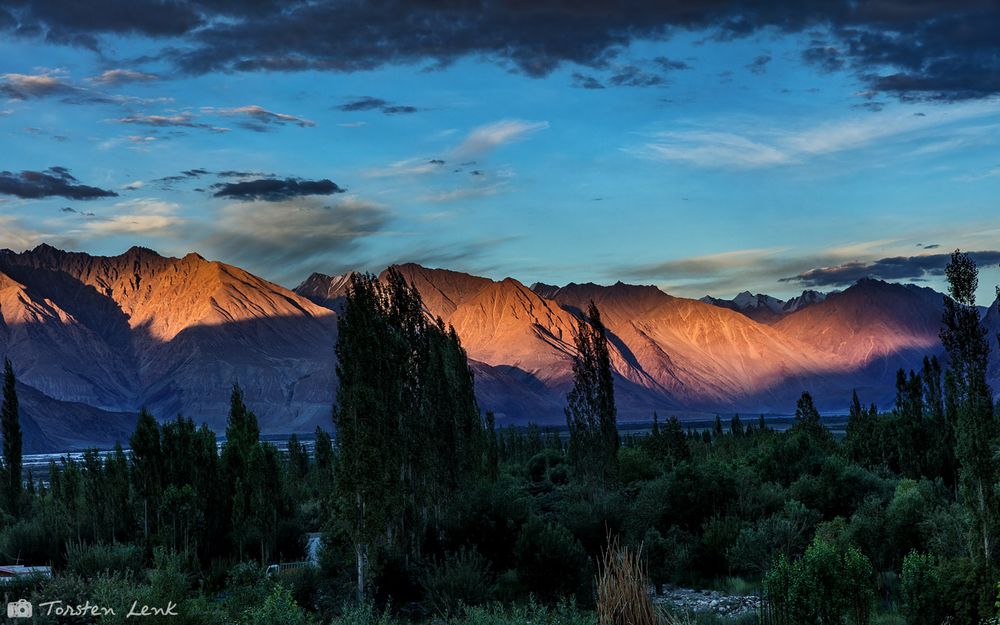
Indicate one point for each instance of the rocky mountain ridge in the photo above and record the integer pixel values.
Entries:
(95, 338)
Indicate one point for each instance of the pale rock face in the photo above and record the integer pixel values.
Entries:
(95, 338)
(808, 298)
(324, 290)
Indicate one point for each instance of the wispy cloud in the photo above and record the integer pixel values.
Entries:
(409, 167)
(293, 237)
(138, 217)
(462, 193)
(370, 103)
(123, 76)
(759, 143)
(28, 86)
(488, 137)
(891, 268)
(259, 119)
(183, 120)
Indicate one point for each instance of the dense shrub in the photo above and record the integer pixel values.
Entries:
(461, 579)
(88, 561)
(826, 586)
(551, 563)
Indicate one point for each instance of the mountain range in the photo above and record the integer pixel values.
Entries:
(94, 338)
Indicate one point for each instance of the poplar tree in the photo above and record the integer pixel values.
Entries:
(10, 425)
(147, 468)
(970, 400)
(591, 415)
(409, 434)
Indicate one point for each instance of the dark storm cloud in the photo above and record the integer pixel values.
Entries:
(369, 103)
(895, 268)
(76, 22)
(53, 182)
(275, 189)
(942, 49)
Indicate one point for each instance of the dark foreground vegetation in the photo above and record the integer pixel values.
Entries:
(429, 512)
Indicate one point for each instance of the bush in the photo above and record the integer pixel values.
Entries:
(34, 541)
(88, 561)
(826, 586)
(551, 563)
(461, 579)
(364, 614)
(540, 464)
(921, 590)
(278, 607)
(245, 587)
(563, 613)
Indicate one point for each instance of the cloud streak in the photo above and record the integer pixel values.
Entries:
(275, 189)
(259, 119)
(892, 268)
(760, 145)
(53, 182)
(370, 103)
(489, 137)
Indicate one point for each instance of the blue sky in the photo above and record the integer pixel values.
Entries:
(716, 164)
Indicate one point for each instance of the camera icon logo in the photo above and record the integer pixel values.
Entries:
(21, 608)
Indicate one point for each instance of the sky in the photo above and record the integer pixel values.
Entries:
(707, 147)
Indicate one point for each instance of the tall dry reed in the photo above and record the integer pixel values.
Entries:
(623, 588)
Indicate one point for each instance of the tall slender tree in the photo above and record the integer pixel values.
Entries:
(409, 434)
(10, 425)
(591, 415)
(970, 400)
(147, 468)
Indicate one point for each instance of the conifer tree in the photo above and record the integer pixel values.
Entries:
(10, 426)
(591, 415)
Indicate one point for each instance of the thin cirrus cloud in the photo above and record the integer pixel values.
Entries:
(56, 84)
(252, 117)
(761, 146)
(477, 143)
(259, 119)
(116, 77)
(31, 86)
(296, 235)
(139, 217)
(486, 138)
(176, 120)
